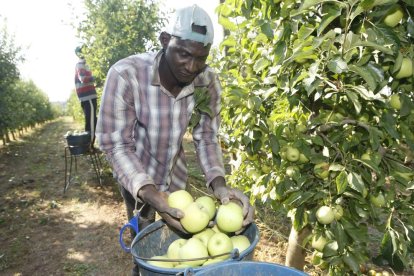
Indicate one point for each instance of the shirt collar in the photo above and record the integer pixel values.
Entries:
(200, 80)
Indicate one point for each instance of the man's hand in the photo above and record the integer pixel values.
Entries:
(159, 201)
(225, 194)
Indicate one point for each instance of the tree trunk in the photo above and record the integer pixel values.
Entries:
(296, 253)
(7, 137)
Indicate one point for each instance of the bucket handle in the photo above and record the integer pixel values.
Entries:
(133, 225)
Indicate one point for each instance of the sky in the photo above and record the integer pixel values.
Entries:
(42, 28)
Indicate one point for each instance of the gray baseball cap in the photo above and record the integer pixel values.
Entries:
(180, 24)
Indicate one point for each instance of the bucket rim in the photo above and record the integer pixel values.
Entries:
(253, 263)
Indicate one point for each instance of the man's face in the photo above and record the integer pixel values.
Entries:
(186, 58)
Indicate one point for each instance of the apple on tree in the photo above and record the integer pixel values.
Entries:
(395, 101)
(218, 244)
(292, 170)
(321, 170)
(318, 242)
(303, 158)
(338, 211)
(180, 199)
(292, 154)
(378, 200)
(394, 16)
(325, 215)
(229, 217)
(406, 69)
(192, 249)
(196, 217)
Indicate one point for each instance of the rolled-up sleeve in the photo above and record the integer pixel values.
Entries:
(115, 131)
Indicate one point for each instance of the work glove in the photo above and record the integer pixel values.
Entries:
(226, 194)
(159, 201)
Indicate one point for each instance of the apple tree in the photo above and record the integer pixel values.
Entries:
(318, 122)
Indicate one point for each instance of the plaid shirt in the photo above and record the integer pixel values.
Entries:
(141, 126)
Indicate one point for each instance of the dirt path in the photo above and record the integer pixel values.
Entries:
(46, 232)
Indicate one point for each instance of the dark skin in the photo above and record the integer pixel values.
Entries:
(182, 62)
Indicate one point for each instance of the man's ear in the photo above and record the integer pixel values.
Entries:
(164, 39)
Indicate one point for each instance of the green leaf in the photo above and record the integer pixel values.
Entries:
(389, 248)
(383, 35)
(280, 52)
(340, 236)
(229, 41)
(227, 24)
(351, 262)
(261, 64)
(330, 249)
(304, 31)
(274, 144)
(296, 199)
(341, 182)
(194, 120)
(369, 163)
(327, 19)
(338, 65)
(389, 123)
(355, 182)
(300, 219)
(376, 46)
(206, 109)
(367, 4)
(374, 137)
(267, 29)
(365, 74)
(410, 26)
(354, 99)
(310, 3)
(317, 140)
(357, 233)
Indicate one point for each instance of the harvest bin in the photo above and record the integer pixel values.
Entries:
(248, 268)
(79, 144)
(154, 240)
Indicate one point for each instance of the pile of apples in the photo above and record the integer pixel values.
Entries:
(206, 242)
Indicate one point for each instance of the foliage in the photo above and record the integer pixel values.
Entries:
(317, 76)
(10, 56)
(22, 104)
(74, 108)
(201, 105)
(115, 29)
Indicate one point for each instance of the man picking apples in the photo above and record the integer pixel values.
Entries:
(146, 107)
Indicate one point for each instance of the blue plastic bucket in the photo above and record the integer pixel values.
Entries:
(154, 240)
(247, 268)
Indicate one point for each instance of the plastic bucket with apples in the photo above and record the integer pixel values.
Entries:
(154, 240)
(247, 268)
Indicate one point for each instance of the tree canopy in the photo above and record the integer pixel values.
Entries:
(115, 29)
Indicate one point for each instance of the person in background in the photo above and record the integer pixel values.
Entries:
(146, 107)
(85, 89)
